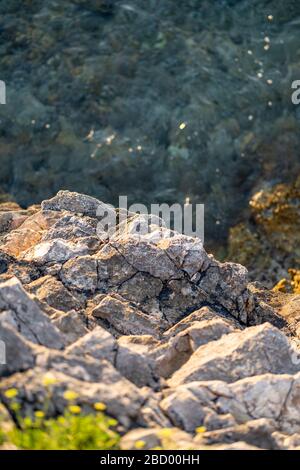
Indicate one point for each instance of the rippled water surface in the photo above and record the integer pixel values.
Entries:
(155, 99)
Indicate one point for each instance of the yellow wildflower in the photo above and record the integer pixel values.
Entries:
(100, 406)
(39, 414)
(139, 444)
(166, 432)
(200, 429)
(49, 379)
(11, 393)
(75, 409)
(70, 396)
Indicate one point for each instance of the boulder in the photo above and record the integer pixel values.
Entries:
(122, 399)
(134, 362)
(52, 292)
(149, 439)
(286, 442)
(29, 233)
(55, 251)
(123, 317)
(258, 432)
(171, 356)
(147, 257)
(269, 396)
(203, 314)
(99, 344)
(80, 274)
(85, 368)
(149, 324)
(187, 406)
(256, 350)
(240, 445)
(113, 269)
(71, 227)
(20, 311)
(72, 325)
(17, 354)
(72, 202)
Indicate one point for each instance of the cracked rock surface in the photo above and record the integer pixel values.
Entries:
(148, 323)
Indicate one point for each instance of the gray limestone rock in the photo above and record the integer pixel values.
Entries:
(72, 202)
(99, 344)
(16, 353)
(26, 317)
(254, 351)
(146, 322)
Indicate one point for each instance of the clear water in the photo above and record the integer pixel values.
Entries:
(158, 100)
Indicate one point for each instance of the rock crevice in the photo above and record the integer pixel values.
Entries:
(149, 324)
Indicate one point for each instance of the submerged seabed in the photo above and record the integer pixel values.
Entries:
(157, 100)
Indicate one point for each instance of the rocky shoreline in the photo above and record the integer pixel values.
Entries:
(150, 325)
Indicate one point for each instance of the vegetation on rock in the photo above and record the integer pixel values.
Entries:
(268, 243)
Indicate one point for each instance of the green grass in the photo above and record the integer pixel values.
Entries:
(73, 430)
(67, 432)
